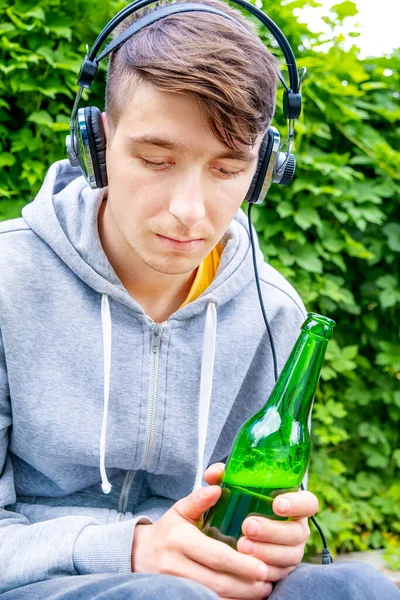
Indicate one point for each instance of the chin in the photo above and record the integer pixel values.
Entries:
(171, 265)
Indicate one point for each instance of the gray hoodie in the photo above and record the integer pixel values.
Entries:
(107, 418)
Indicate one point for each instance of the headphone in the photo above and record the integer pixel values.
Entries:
(86, 144)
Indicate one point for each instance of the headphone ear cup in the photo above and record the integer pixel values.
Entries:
(97, 144)
(264, 171)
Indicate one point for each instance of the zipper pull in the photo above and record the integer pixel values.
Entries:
(156, 338)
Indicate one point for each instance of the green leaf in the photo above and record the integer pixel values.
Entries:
(327, 373)
(47, 53)
(371, 322)
(389, 298)
(60, 127)
(40, 118)
(337, 259)
(390, 356)
(307, 259)
(6, 27)
(7, 159)
(341, 358)
(37, 13)
(373, 214)
(392, 232)
(356, 248)
(284, 209)
(306, 216)
(365, 485)
(377, 460)
(387, 282)
(17, 21)
(59, 25)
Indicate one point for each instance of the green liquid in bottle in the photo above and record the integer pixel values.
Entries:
(224, 520)
(239, 500)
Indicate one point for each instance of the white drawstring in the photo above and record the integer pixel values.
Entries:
(106, 325)
(206, 379)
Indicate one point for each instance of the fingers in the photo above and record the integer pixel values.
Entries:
(220, 557)
(286, 561)
(213, 474)
(275, 555)
(192, 507)
(295, 504)
(226, 585)
(288, 533)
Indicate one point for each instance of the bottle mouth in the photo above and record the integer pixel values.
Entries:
(319, 325)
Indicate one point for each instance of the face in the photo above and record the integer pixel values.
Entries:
(173, 188)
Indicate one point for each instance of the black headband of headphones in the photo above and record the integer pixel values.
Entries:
(292, 96)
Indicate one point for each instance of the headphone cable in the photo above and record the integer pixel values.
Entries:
(326, 555)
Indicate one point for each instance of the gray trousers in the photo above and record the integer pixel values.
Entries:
(339, 581)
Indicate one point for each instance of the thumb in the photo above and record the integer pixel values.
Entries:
(193, 506)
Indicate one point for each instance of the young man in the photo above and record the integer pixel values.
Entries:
(109, 302)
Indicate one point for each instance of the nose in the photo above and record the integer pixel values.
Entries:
(187, 199)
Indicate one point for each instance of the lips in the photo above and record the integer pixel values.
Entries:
(188, 240)
(180, 244)
(177, 239)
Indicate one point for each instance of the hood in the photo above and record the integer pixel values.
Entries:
(64, 216)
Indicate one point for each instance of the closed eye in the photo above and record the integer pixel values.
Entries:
(161, 165)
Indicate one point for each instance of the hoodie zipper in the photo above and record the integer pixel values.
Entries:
(126, 488)
(156, 333)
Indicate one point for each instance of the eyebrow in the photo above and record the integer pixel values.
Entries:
(181, 148)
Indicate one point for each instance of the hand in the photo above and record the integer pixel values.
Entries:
(279, 544)
(174, 545)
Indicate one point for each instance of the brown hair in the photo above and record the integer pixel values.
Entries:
(228, 69)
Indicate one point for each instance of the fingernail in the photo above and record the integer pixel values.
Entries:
(253, 527)
(249, 546)
(283, 505)
(262, 572)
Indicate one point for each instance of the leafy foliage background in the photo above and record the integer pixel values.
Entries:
(334, 233)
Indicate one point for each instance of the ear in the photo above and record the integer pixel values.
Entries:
(104, 119)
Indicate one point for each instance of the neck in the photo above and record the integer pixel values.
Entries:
(159, 294)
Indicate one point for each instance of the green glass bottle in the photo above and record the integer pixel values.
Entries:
(271, 451)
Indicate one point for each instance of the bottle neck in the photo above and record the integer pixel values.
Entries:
(294, 391)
